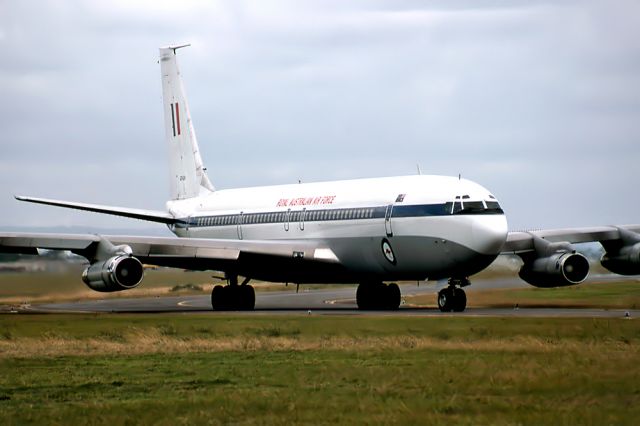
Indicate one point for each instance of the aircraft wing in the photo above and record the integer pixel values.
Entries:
(149, 215)
(518, 242)
(241, 256)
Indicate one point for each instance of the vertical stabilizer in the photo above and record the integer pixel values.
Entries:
(188, 177)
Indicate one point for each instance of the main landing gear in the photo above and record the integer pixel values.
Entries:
(378, 296)
(233, 297)
(453, 298)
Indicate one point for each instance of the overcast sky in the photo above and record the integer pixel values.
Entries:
(539, 102)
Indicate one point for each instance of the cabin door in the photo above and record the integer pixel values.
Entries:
(240, 225)
(387, 220)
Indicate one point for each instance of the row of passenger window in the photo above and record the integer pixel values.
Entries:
(281, 217)
(457, 207)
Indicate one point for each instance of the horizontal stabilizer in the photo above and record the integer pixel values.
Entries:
(148, 215)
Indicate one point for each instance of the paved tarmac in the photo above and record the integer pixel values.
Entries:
(332, 301)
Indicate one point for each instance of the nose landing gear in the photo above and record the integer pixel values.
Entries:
(453, 298)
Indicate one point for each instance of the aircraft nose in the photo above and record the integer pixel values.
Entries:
(489, 233)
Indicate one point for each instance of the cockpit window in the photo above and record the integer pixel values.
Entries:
(457, 206)
(473, 207)
(494, 207)
(464, 206)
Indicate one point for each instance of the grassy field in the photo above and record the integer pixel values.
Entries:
(221, 369)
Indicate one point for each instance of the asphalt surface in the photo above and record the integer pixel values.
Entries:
(333, 301)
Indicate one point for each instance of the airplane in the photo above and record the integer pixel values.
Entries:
(370, 232)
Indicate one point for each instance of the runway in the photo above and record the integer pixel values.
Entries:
(333, 301)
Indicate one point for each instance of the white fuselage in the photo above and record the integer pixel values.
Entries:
(414, 219)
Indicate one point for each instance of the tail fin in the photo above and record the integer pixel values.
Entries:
(188, 177)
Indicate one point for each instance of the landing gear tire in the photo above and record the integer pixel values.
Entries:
(445, 298)
(452, 299)
(233, 298)
(460, 300)
(378, 296)
(394, 297)
(217, 298)
(247, 298)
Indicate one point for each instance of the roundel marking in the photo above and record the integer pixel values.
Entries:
(388, 251)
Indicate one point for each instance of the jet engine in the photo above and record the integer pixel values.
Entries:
(624, 261)
(553, 264)
(557, 270)
(122, 272)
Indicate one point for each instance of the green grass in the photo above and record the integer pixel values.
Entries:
(221, 369)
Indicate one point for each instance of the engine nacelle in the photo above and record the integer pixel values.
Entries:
(118, 273)
(557, 270)
(625, 261)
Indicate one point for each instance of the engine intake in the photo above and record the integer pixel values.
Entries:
(118, 273)
(557, 270)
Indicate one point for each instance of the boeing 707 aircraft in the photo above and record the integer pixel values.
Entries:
(370, 232)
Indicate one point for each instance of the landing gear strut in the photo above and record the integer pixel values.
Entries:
(233, 297)
(378, 296)
(453, 298)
